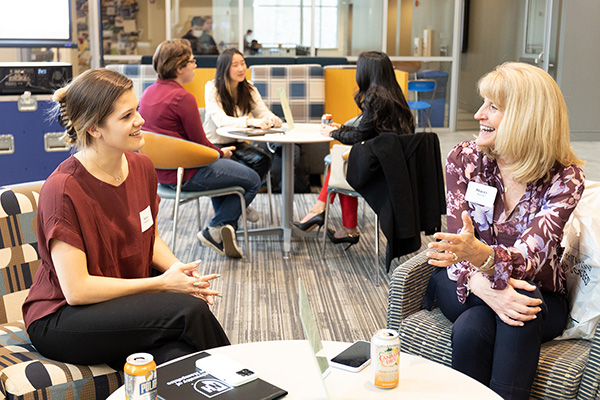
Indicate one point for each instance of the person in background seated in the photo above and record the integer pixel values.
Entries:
(500, 280)
(232, 101)
(171, 110)
(383, 109)
(201, 41)
(194, 34)
(94, 298)
(247, 40)
(208, 44)
(255, 47)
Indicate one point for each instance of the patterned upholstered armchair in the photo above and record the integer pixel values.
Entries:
(24, 373)
(568, 369)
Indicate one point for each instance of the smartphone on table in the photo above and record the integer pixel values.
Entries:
(226, 369)
(354, 358)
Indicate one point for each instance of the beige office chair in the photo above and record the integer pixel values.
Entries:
(167, 152)
(338, 184)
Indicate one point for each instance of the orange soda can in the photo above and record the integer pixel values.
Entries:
(326, 119)
(140, 377)
(385, 359)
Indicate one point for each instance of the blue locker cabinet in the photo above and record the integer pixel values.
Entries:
(30, 145)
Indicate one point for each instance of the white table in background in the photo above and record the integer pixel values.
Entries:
(290, 365)
(302, 133)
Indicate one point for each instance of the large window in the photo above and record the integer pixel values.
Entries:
(288, 22)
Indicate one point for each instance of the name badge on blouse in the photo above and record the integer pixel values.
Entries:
(146, 219)
(481, 194)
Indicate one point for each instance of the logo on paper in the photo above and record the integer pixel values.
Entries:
(211, 387)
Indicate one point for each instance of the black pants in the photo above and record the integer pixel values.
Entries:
(167, 325)
(251, 156)
(500, 356)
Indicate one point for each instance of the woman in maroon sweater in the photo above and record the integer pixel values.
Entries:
(171, 110)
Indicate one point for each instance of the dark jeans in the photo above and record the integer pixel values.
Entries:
(251, 156)
(167, 325)
(500, 356)
(220, 174)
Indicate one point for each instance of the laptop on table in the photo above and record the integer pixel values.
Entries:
(309, 324)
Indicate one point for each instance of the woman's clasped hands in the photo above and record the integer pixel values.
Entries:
(185, 278)
(512, 307)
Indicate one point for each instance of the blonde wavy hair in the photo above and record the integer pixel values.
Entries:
(534, 133)
(87, 101)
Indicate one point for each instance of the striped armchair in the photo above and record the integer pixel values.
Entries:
(24, 373)
(568, 369)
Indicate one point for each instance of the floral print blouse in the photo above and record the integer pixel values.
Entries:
(526, 242)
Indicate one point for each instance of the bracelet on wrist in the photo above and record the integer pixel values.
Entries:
(489, 264)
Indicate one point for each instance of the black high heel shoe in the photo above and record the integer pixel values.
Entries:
(316, 221)
(351, 239)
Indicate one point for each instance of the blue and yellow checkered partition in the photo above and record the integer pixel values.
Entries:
(141, 75)
(304, 86)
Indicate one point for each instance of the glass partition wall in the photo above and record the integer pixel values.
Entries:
(275, 28)
(422, 37)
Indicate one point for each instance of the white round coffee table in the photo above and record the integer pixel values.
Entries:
(289, 364)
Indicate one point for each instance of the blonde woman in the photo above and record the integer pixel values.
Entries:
(509, 194)
(95, 298)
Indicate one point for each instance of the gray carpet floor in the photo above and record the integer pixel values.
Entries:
(260, 299)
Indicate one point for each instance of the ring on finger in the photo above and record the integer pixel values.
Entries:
(454, 257)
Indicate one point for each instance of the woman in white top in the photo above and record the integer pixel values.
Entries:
(233, 101)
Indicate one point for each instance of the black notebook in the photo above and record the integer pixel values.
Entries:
(179, 380)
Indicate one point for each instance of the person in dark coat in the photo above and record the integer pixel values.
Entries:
(384, 109)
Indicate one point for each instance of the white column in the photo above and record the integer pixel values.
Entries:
(94, 29)
(454, 76)
(169, 19)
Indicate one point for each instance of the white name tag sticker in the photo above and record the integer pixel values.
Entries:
(481, 194)
(146, 219)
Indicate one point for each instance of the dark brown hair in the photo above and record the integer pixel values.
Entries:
(243, 96)
(379, 96)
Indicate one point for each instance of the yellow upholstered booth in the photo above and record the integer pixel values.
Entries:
(340, 87)
(402, 78)
(201, 76)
